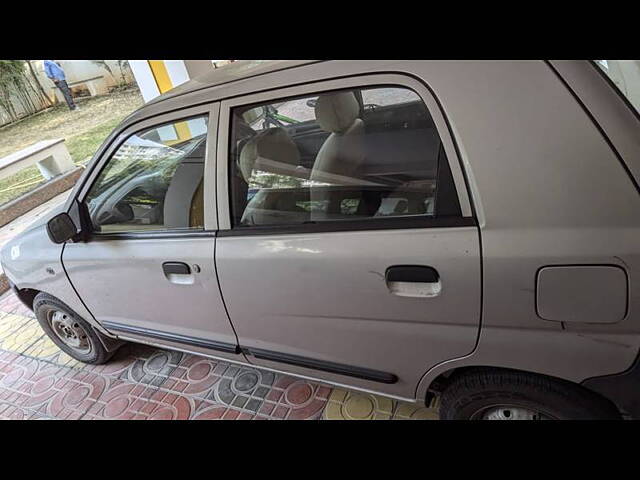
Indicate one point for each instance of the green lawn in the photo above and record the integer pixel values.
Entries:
(83, 131)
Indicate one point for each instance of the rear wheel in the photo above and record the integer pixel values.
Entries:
(71, 333)
(492, 394)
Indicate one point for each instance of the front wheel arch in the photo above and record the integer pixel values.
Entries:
(27, 296)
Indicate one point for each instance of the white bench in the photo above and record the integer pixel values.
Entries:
(51, 157)
(95, 85)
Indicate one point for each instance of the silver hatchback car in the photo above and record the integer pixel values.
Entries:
(409, 228)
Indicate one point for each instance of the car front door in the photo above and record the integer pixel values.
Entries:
(147, 271)
(364, 269)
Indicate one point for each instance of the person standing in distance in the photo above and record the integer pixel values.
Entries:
(55, 73)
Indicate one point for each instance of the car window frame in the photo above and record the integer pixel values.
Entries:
(212, 111)
(367, 80)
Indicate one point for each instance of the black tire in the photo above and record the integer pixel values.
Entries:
(93, 351)
(482, 393)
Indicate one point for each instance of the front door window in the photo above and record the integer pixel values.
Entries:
(154, 181)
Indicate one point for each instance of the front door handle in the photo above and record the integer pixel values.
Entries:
(178, 273)
(413, 281)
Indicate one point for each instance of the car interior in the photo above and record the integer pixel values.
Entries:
(164, 190)
(351, 161)
(343, 160)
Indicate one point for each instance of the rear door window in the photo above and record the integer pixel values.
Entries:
(358, 154)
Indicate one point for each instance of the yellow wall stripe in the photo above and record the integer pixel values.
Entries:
(183, 131)
(161, 75)
(163, 80)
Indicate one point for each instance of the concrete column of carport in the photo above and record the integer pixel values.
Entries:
(155, 77)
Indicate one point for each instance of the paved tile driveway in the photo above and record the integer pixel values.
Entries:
(38, 381)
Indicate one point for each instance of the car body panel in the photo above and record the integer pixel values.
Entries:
(548, 155)
(283, 295)
(32, 261)
(132, 269)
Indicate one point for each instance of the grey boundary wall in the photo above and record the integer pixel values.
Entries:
(26, 202)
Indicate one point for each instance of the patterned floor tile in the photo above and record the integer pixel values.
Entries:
(130, 401)
(295, 399)
(27, 334)
(9, 411)
(10, 324)
(140, 364)
(43, 348)
(194, 376)
(49, 391)
(223, 391)
(242, 388)
(408, 411)
(9, 303)
(38, 381)
(348, 405)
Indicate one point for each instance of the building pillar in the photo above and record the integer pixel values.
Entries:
(155, 77)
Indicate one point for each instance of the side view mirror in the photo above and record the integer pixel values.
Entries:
(312, 102)
(61, 228)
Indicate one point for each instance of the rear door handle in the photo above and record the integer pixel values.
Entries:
(413, 281)
(178, 273)
(176, 268)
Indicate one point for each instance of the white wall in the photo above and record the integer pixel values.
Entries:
(177, 71)
(144, 78)
(76, 70)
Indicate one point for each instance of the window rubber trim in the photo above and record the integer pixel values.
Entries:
(353, 225)
(141, 235)
(287, 228)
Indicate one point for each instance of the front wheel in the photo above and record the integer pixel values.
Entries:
(71, 333)
(492, 394)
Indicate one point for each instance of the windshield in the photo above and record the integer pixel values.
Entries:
(625, 75)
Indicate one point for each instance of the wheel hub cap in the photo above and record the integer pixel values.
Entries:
(69, 331)
(512, 413)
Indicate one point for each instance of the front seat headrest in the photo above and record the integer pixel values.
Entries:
(336, 112)
(272, 144)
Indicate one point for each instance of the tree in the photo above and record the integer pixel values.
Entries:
(122, 66)
(45, 97)
(15, 86)
(103, 64)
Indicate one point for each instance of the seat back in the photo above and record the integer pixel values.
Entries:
(342, 153)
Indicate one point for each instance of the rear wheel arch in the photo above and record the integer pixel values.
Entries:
(444, 379)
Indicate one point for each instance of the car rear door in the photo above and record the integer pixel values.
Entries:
(147, 272)
(369, 302)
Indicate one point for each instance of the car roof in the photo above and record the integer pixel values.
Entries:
(229, 73)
